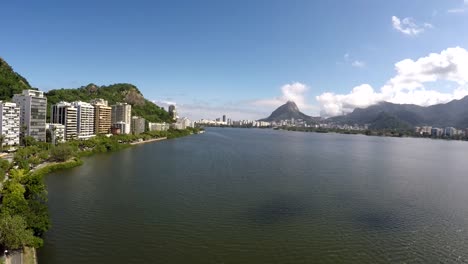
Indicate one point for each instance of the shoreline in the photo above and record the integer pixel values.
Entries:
(148, 141)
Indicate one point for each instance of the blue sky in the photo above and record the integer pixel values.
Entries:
(244, 58)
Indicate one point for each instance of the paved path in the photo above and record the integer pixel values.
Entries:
(16, 258)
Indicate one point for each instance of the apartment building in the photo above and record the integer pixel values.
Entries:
(85, 120)
(10, 123)
(102, 116)
(33, 111)
(66, 114)
(122, 112)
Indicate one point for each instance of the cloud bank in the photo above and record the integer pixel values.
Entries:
(408, 26)
(407, 86)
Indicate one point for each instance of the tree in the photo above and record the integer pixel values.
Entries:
(14, 233)
(2, 140)
(61, 152)
(29, 141)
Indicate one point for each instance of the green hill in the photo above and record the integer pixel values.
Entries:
(121, 92)
(10, 81)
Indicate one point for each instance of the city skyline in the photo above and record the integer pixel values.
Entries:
(221, 57)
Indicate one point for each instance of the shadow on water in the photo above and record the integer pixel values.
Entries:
(278, 209)
(381, 221)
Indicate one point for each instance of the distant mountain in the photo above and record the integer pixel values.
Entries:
(389, 115)
(286, 112)
(10, 82)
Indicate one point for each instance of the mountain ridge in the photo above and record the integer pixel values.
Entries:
(453, 113)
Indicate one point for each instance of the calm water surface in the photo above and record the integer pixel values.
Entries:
(264, 196)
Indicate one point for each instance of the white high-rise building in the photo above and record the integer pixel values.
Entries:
(66, 114)
(85, 119)
(10, 123)
(33, 111)
(122, 112)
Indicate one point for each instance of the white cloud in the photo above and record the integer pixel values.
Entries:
(358, 64)
(456, 10)
(407, 86)
(355, 63)
(408, 26)
(290, 92)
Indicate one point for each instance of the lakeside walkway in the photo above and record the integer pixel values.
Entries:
(148, 141)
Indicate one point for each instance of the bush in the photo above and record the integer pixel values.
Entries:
(61, 152)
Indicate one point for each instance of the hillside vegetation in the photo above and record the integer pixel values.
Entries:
(121, 92)
(10, 81)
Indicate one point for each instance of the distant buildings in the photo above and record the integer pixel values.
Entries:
(66, 114)
(85, 120)
(138, 125)
(173, 112)
(33, 111)
(26, 116)
(450, 131)
(437, 132)
(158, 126)
(183, 123)
(10, 123)
(122, 112)
(102, 116)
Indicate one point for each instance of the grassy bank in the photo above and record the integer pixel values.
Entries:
(24, 215)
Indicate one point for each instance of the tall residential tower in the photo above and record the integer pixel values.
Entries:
(102, 116)
(85, 119)
(122, 112)
(33, 111)
(10, 123)
(66, 114)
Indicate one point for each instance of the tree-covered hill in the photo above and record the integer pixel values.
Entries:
(10, 81)
(121, 92)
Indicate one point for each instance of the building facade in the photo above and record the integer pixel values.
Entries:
(138, 125)
(119, 128)
(158, 126)
(33, 111)
(172, 112)
(10, 123)
(183, 123)
(102, 116)
(66, 114)
(56, 132)
(122, 112)
(85, 120)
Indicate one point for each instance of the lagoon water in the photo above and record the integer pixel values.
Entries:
(264, 196)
